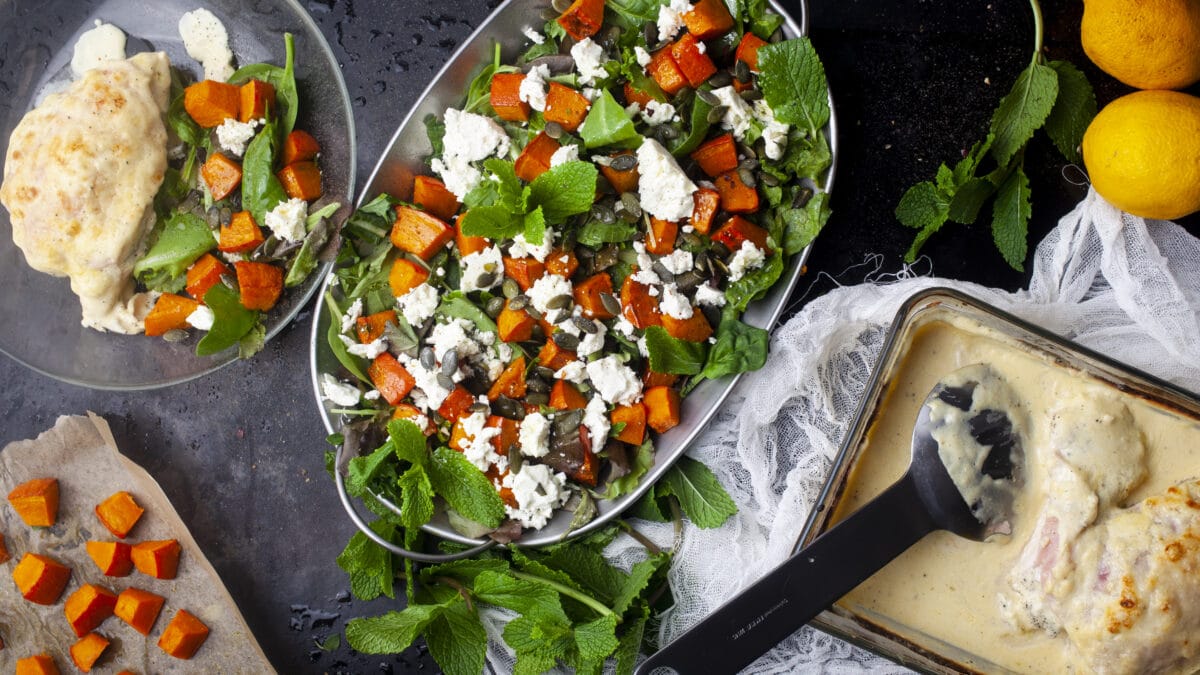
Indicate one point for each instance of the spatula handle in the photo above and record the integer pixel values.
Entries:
(811, 580)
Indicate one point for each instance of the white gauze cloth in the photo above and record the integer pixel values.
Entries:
(1123, 286)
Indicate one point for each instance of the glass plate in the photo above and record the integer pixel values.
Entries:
(41, 326)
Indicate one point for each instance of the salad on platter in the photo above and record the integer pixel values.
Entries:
(596, 216)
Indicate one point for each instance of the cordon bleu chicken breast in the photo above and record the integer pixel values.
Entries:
(80, 177)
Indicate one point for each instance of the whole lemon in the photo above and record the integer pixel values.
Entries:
(1148, 44)
(1142, 152)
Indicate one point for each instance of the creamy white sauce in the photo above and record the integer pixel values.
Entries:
(206, 40)
(964, 598)
(97, 46)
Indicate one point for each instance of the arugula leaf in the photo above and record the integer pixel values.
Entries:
(465, 488)
(261, 190)
(793, 83)
(596, 234)
(456, 304)
(672, 355)
(564, 191)
(231, 320)
(457, 641)
(1073, 110)
(393, 632)
(643, 459)
(739, 348)
(1010, 219)
(370, 566)
(1023, 110)
(184, 237)
(755, 284)
(607, 123)
(701, 496)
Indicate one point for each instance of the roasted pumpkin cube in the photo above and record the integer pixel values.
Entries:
(736, 196)
(509, 436)
(210, 103)
(241, 235)
(651, 379)
(301, 180)
(514, 325)
(565, 396)
(419, 233)
(88, 607)
(665, 72)
(139, 609)
(534, 159)
(588, 294)
(554, 357)
(639, 307)
(40, 579)
(565, 106)
(36, 501)
(634, 418)
(42, 664)
(717, 156)
(524, 271)
(183, 636)
(622, 181)
(405, 276)
(511, 382)
(259, 284)
(635, 95)
(256, 100)
(5, 556)
(119, 513)
(563, 263)
(170, 312)
(221, 174)
(708, 19)
(87, 650)
(737, 230)
(391, 378)
(413, 414)
(693, 62)
(299, 146)
(662, 408)
(695, 329)
(583, 18)
(660, 236)
(113, 558)
(505, 97)
(158, 559)
(747, 49)
(205, 273)
(371, 327)
(705, 204)
(431, 194)
(466, 243)
(456, 404)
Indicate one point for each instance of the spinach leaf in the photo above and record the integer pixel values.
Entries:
(305, 260)
(762, 21)
(756, 283)
(230, 323)
(699, 125)
(607, 123)
(435, 129)
(351, 363)
(672, 355)
(283, 79)
(184, 237)
(456, 304)
(261, 190)
(739, 348)
(183, 125)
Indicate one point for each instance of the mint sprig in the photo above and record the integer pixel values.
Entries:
(501, 208)
(1050, 95)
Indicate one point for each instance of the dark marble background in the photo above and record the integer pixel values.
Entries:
(240, 451)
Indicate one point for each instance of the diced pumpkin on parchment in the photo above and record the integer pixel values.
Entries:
(183, 636)
(119, 513)
(158, 559)
(36, 501)
(88, 607)
(41, 579)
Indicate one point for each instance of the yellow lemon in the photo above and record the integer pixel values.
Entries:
(1143, 154)
(1148, 44)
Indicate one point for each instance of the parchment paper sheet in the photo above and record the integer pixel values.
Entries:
(81, 453)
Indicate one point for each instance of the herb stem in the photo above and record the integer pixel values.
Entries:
(588, 600)
(462, 590)
(639, 537)
(1038, 30)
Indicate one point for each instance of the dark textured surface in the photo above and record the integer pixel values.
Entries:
(240, 451)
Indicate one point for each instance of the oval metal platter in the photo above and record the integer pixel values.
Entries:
(405, 158)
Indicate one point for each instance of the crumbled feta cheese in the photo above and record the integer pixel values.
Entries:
(677, 262)
(566, 153)
(589, 61)
(614, 380)
(602, 160)
(632, 110)
(664, 189)
(688, 228)
(708, 295)
(350, 318)
(469, 138)
(747, 258)
(643, 347)
(534, 36)
(454, 334)
(534, 435)
(575, 371)
(624, 327)
(288, 220)
(367, 351)
(643, 56)
(595, 418)
(675, 304)
(233, 136)
(670, 19)
(476, 444)
(701, 47)
(546, 288)
(658, 113)
(418, 304)
(538, 491)
(338, 393)
(590, 93)
(202, 317)
(372, 395)
(590, 343)
(775, 133)
(479, 266)
(738, 115)
(645, 274)
(653, 291)
(533, 87)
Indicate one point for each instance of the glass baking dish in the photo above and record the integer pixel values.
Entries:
(959, 647)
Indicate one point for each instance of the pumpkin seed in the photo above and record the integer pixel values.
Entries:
(428, 359)
(510, 289)
(712, 314)
(175, 335)
(662, 272)
(720, 79)
(554, 130)
(548, 13)
(717, 114)
(566, 340)
(691, 240)
(444, 381)
(650, 32)
(707, 96)
(767, 179)
(485, 280)
(669, 132)
(567, 422)
(801, 199)
(683, 97)
(533, 312)
(603, 213)
(748, 163)
(535, 399)
(777, 36)
(450, 363)
(434, 417)
(510, 408)
(515, 460)
(519, 302)
(538, 335)
(746, 151)
(610, 303)
(494, 307)
(607, 257)
(538, 386)
(631, 203)
(624, 162)
(544, 373)
(584, 324)
(741, 72)
(720, 251)
(604, 187)
(628, 216)
(627, 255)
(751, 95)
(480, 408)
(722, 268)
(560, 6)
(563, 301)
(610, 36)
(688, 281)
(747, 177)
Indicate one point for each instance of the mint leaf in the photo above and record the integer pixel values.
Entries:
(508, 186)
(529, 598)
(588, 568)
(643, 459)
(596, 639)
(370, 566)
(363, 469)
(393, 632)
(922, 207)
(672, 355)
(630, 643)
(804, 224)
(408, 442)
(465, 488)
(535, 227)
(739, 348)
(231, 320)
(700, 494)
(968, 199)
(457, 641)
(639, 577)
(793, 83)
(607, 123)
(565, 190)
(539, 642)
(1010, 219)
(1023, 110)
(416, 506)
(496, 221)
(464, 570)
(1073, 110)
